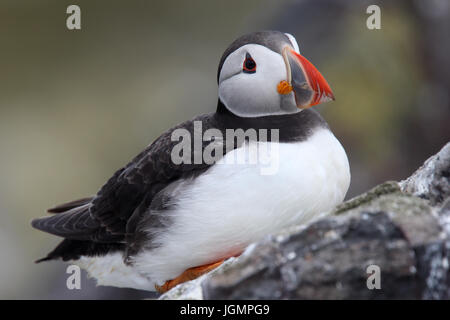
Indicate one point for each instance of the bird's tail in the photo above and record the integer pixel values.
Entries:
(74, 249)
(71, 221)
(70, 205)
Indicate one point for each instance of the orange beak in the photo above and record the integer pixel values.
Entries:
(309, 86)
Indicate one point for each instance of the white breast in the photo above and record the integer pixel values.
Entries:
(232, 205)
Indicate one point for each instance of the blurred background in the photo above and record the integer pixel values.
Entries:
(77, 105)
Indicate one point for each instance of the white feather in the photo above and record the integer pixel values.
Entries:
(110, 270)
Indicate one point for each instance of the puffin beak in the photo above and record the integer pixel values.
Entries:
(309, 86)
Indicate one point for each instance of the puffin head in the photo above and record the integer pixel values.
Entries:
(263, 73)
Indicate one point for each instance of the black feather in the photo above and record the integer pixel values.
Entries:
(74, 249)
(69, 205)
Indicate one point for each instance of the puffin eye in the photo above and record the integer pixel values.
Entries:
(249, 64)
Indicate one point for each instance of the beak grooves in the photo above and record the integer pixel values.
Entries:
(321, 88)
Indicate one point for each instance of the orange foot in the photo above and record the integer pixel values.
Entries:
(189, 274)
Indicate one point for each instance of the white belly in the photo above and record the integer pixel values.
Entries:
(222, 211)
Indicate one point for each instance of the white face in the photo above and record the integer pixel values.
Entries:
(254, 94)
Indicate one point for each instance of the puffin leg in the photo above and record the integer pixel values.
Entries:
(187, 275)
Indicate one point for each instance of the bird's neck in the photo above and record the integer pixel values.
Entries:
(292, 127)
(221, 109)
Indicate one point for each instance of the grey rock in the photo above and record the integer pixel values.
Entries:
(401, 228)
(432, 180)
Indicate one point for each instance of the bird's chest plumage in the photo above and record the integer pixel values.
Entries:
(255, 190)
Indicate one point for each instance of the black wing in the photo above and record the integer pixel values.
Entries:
(116, 208)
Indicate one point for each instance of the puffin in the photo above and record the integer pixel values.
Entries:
(209, 187)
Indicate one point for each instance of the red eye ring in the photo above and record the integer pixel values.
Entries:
(249, 65)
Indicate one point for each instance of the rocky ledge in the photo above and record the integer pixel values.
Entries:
(392, 242)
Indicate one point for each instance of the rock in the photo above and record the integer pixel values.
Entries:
(399, 231)
(432, 180)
